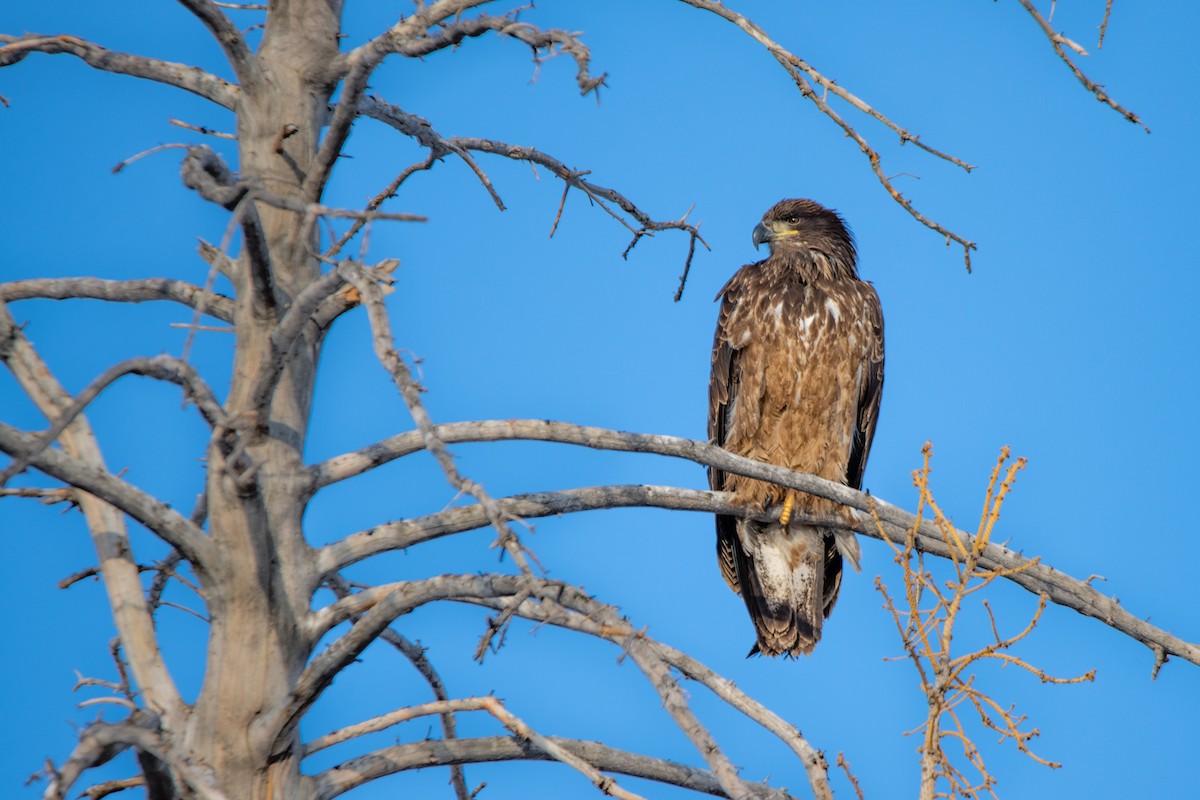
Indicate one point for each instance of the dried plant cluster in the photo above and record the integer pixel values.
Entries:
(926, 618)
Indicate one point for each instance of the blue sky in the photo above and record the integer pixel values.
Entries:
(1072, 342)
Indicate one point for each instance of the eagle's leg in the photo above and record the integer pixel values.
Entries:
(789, 500)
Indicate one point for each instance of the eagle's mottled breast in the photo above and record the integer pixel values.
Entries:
(802, 352)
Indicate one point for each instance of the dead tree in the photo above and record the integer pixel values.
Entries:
(270, 655)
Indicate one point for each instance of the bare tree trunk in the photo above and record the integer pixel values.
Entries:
(260, 584)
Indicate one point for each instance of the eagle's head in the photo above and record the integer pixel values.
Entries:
(795, 227)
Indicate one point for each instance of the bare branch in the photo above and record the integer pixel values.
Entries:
(164, 368)
(804, 76)
(201, 129)
(440, 26)
(227, 35)
(342, 651)
(1104, 23)
(1037, 578)
(423, 132)
(439, 146)
(675, 701)
(288, 333)
(392, 718)
(491, 705)
(554, 750)
(571, 608)
(394, 365)
(416, 654)
(419, 35)
(551, 41)
(101, 741)
(146, 509)
(130, 291)
(567, 606)
(388, 192)
(101, 790)
(47, 496)
(356, 772)
(812, 759)
(131, 613)
(182, 76)
(405, 533)
(1057, 41)
(203, 170)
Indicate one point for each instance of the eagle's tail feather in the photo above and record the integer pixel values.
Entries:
(789, 583)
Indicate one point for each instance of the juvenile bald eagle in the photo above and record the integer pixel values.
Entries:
(797, 372)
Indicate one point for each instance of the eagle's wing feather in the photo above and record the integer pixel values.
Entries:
(870, 389)
(722, 390)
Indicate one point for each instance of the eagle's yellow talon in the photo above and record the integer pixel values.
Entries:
(789, 500)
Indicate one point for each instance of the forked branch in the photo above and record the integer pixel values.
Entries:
(101, 741)
(568, 606)
(410, 391)
(163, 367)
(227, 35)
(415, 653)
(612, 202)
(805, 76)
(1057, 41)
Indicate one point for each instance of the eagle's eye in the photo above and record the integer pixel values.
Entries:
(793, 220)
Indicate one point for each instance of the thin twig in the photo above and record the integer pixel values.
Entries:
(1056, 41)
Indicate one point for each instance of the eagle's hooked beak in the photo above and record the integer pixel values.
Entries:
(761, 234)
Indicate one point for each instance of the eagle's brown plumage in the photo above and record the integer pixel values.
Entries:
(797, 372)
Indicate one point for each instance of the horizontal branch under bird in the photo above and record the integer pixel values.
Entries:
(1037, 578)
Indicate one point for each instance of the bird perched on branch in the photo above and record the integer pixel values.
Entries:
(797, 373)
